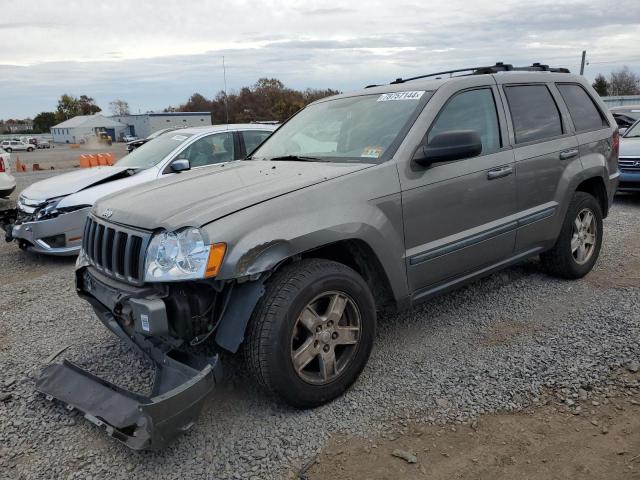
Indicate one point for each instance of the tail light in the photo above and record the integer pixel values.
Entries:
(1, 165)
(615, 142)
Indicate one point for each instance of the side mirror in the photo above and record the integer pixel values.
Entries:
(180, 165)
(449, 146)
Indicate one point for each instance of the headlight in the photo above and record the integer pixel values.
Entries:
(182, 255)
(48, 210)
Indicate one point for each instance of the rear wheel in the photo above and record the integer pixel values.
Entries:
(578, 245)
(30, 149)
(8, 149)
(311, 333)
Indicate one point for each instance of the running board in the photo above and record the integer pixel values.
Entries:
(181, 385)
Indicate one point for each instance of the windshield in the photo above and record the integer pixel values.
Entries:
(153, 152)
(345, 129)
(633, 131)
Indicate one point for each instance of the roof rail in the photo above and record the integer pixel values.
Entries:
(498, 67)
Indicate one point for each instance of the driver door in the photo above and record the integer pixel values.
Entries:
(459, 215)
(216, 148)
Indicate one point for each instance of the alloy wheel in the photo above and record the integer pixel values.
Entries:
(584, 236)
(325, 337)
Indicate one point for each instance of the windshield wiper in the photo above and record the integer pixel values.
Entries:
(296, 158)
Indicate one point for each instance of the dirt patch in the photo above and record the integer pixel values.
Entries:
(504, 332)
(557, 440)
(625, 272)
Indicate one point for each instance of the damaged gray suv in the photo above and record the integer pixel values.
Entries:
(372, 200)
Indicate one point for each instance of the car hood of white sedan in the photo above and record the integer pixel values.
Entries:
(72, 182)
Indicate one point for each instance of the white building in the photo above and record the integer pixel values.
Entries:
(144, 124)
(82, 127)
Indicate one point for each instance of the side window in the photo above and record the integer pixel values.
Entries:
(534, 112)
(216, 148)
(584, 113)
(471, 110)
(253, 138)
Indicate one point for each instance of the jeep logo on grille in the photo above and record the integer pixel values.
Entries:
(107, 213)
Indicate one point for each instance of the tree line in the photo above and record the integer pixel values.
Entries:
(619, 82)
(267, 99)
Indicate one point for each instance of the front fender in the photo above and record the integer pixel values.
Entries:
(364, 206)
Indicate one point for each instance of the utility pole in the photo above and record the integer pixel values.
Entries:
(584, 57)
(226, 100)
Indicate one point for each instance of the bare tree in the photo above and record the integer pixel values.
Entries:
(624, 82)
(119, 107)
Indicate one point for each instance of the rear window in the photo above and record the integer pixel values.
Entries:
(584, 113)
(534, 113)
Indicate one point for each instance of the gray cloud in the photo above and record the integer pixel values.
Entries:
(155, 57)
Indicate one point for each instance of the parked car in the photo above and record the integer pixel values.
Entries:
(132, 145)
(380, 198)
(625, 116)
(15, 145)
(630, 160)
(7, 181)
(42, 143)
(51, 213)
(129, 138)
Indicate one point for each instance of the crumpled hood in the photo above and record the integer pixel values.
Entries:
(630, 147)
(72, 182)
(201, 196)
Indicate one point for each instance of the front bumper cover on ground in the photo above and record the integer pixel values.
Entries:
(182, 383)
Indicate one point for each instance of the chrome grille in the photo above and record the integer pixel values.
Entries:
(115, 250)
(629, 164)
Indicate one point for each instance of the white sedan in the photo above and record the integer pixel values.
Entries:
(7, 181)
(51, 213)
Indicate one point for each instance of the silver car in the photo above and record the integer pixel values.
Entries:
(629, 162)
(51, 213)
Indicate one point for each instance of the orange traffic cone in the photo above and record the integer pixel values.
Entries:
(84, 161)
(20, 167)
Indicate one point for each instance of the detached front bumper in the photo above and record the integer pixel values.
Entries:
(182, 383)
(61, 236)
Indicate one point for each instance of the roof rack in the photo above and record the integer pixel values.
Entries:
(498, 67)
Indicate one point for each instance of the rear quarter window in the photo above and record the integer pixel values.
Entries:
(584, 113)
(534, 112)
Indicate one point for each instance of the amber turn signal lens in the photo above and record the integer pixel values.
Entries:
(216, 254)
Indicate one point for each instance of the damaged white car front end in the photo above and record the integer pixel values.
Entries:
(50, 216)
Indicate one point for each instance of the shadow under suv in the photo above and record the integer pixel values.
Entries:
(380, 198)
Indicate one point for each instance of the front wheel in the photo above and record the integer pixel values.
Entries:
(578, 245)
(30, 149)
(312, 332)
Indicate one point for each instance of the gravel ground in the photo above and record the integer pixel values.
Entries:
(495, 345)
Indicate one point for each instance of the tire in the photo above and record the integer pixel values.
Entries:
(30, 149)
(564, 260)
(8, 149)
(277, 331)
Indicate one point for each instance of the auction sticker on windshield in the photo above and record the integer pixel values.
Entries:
(372, 152)
(415, 95)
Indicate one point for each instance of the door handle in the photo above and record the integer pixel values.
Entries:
(567, 154)
(500, 172)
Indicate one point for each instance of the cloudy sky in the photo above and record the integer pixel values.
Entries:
(157, 53)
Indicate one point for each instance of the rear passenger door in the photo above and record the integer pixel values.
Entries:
(592, 128)
(545, 148)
